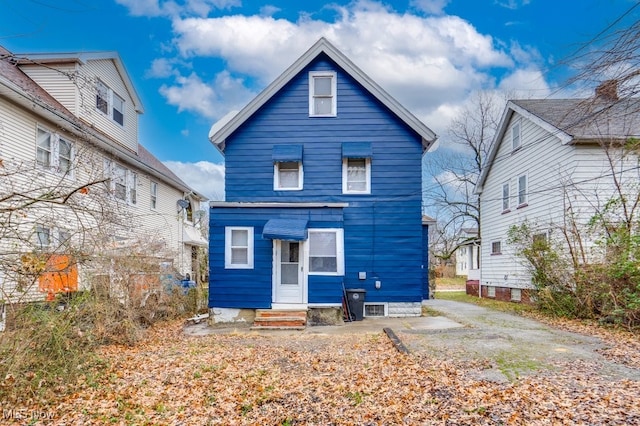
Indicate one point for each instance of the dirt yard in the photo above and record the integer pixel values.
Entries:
(471, 374)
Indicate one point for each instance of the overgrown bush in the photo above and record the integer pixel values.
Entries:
(50, 345)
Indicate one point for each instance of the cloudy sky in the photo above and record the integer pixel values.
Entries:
(193, 61)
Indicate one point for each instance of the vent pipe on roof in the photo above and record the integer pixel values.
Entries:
(608, 90)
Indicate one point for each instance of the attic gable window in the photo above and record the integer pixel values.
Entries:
(109, 103)
(322, 94)
(515, 136)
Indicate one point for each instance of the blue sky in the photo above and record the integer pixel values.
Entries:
(192, 61)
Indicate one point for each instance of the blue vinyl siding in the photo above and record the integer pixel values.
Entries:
(383, 229)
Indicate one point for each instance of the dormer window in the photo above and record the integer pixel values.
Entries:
(322, 94)
(109, 103)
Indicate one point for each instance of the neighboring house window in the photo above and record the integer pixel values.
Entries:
(122, 182)
(109, 103)
(43, 236)
(64, 238)
(515, 135)
(516, 295)
(288, 174)
(326, 252)
(522, 190)
(53, 152)
(505, 197)
(491, 291)
(238, 253)
(188, 211)
(154, 195)
(322, 94)
(496, 247)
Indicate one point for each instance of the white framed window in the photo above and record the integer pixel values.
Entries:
(356, 175)
(109, 103)
(43, 236)
(238, 247)
(53, 152)
(326, 251)
(496, 247)
(154, 195)
(516, 295)
(121, 182)
(322, 94)
(505, 197)
(491, 291)
(288, 176)
(522, 190)
(515, 136)
(376, 309)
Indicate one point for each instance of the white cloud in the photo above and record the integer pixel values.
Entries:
(205, 177)
(160, 68)
(269, 10)
(142, 7)
(208, 99)
(171, 8)
(525, 83)
(430, 6)
(422, 61)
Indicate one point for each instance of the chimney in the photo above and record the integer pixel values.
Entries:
(608, 90)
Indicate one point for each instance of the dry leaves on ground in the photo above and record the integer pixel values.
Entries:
(245, 378)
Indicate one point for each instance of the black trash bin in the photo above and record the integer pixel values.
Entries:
(355, 300)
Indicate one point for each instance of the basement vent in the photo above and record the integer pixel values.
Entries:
(374, 310)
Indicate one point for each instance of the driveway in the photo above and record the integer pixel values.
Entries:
(496, 346)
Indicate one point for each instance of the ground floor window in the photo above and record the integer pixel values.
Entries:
(238, 252)
(491, 291)
(326, 252)
(516, 295)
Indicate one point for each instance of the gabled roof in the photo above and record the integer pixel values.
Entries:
(83, 58)
(572, 121)
(221, 131)
(21, 89)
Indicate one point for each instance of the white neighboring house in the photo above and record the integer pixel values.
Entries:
(70, 120)
(547, 163)
(467, 256)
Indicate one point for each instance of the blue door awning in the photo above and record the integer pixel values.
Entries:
(357, 150)
(283, 153)
(285, 229)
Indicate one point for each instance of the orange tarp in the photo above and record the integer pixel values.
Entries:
(59, 276)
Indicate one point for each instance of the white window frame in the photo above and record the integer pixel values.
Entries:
(523, 197)
(153, 188)
(506, 196)
(516, 135)
(491, 291)
(228, 247)
(129, 179)
(345, 176)
(43, 230)
(276, 176)
(493, 247)
(54, 153)
(516, 295)
(332, 96)
(339, 232)
(106, 94)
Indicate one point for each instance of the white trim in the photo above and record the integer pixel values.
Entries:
(345, 170)
(228, 230)
(339, 232)
(276, 177)
(333, 95)
(324, 305)
(289, 306)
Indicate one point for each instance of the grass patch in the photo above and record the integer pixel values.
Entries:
(455, 282)
(461, 296)
(513, 367)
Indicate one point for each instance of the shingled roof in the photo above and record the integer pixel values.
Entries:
(20, 87)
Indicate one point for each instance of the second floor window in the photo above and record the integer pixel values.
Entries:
(505, 197)
(53, 152)
(110, 103)
(122, 182)
(522, 190)
(154, 195)
(287, 167)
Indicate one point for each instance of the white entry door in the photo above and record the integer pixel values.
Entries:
(289, 276)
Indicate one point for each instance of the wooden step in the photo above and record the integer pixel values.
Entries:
(269, 319)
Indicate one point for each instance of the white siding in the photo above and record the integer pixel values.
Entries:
(55, 79)
(546, 162)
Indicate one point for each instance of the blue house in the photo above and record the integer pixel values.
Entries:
(323, 192)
